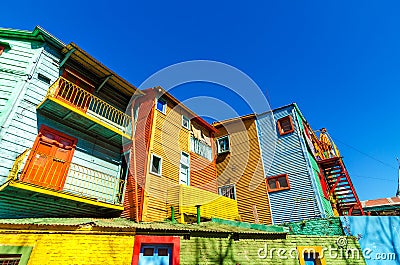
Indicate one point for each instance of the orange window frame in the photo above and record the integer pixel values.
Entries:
(280, 129)
(277, 182)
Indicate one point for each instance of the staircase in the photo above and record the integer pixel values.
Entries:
(340, 189)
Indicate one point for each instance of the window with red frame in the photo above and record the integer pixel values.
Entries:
(277, 183)
(285, 125)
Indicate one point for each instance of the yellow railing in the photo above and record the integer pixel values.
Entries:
(86, 102)
(323, 151)
(19, 161)
(185, 199)
(59, 175)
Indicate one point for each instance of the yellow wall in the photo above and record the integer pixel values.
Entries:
(169, 138)
(77, 249)
(243, 167)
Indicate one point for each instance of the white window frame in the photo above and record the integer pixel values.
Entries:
(228, 186)
(164, 110)
(188, 122)
(229, 144)
(182, 163)
(151, 165)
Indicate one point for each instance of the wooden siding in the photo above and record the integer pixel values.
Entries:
(168, 141)
(20, 121)
(203, 173)
(301, 201)
(243, 166)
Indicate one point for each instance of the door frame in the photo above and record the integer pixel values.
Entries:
(37, 142)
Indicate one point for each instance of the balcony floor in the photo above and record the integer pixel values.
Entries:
(83, 121)
(22, 200)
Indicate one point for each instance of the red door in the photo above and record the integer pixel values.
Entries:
(49, 160)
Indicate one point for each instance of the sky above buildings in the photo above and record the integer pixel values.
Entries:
(338, 60)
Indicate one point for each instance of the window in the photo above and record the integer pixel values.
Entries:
(201, 148)
(44, 78)
(164, 250)
(311, 255)
(162, 105)
(228, 191)
(185, 122)
(156, 165)
(10, 259)
(285, 125)
(184, 170)
(276, 183)
(223, 144)
(15, 255)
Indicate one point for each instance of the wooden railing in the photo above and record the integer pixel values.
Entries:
(62, 176)
(86, 102)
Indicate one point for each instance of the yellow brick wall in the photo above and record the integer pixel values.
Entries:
(73, 249)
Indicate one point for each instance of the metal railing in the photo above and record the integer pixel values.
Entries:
(86, 102)
(67, 177)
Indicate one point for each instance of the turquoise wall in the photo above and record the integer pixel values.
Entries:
(379, 237)
(22, 88)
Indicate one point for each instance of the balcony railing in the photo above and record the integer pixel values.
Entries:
(66, 177)
(89, 104)
(185, 199)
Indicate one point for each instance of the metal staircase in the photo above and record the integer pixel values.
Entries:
(341, 191)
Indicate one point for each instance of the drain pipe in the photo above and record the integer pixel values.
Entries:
(198, 214)
(173, 214)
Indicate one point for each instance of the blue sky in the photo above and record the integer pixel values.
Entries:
(338, 60)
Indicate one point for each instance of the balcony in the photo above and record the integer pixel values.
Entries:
(43, 186)
(185, 199)
(80, 109)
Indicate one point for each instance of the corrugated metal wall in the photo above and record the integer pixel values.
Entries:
(243, 166)
(287, 157)
(315, 170)
(134, 193)
(169, 139)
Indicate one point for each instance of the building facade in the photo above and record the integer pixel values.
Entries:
(240, 168)
(63, 123)
(175, 169)
(305, 174)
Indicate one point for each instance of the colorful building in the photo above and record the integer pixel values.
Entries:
(63, 124)
(119, 241)
(173, 168)
(240, 168)
(305, 174)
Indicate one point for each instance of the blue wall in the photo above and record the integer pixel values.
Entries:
(380, 234)
(287, 155)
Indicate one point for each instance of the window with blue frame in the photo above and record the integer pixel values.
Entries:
(162, 105)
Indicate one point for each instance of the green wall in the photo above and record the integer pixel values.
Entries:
(202, 250)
